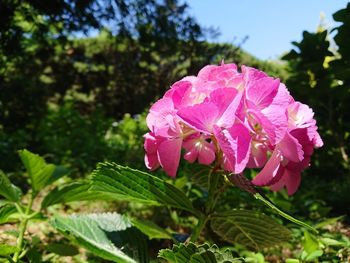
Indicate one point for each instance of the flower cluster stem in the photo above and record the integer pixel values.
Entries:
(213, 180)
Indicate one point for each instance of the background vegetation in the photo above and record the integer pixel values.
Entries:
(77, 78)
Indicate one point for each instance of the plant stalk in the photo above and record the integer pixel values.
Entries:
(199, 227)
(22, 228)
(213, 180)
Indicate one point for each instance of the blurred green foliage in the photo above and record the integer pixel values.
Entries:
(141, 48)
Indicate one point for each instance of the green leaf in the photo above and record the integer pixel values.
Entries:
(329, 221)
(332, 242)
(110, 221)
(77, 191)
(6, 250)
(283, 214)
(128, 184)
(249, 228)
(191, 253)
(8, 190)
(59, 172)
(310, 243)
(314, 255)
(88, 234)
(39, 171)
(62, 249)
(6, 211)
(150, 229)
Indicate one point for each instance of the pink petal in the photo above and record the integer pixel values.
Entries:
(213, 72)
(178, 91)
(273, 118)
(227, 118)
(262, 91)
(201, 117)
(291, 148)
(151, 161)
(317, 140)
(192, 155)
(206, 154)
(252, 73)
(276, 112)
(258, 156)
(275, 131)
(159, 114)
(290, 180)
(222, 98)
(300, 115)
(235, 144)
(169, 152)
(198, 147)
(150, 143)
(272, 171)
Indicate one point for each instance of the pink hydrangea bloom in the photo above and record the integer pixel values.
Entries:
(236, 120)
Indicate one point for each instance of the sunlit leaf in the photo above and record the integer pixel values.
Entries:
(38, 170)
(127, 184)
(192, 253)
(88, 234)
(6, 250)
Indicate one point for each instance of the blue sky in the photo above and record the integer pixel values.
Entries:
(270, 24)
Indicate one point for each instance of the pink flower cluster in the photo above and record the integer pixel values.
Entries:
(237, 120)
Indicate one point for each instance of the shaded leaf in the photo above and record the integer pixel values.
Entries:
(77, 191)
(249, 228)
(6, 211)
(7, 189)
(150, 229)
(59, 172)
(63, 249)
(128, 184)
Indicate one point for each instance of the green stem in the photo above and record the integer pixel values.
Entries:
(217, 195)
(199, 227)
(22, 228)
(285, 215)
(213, 180)
(19, 208)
